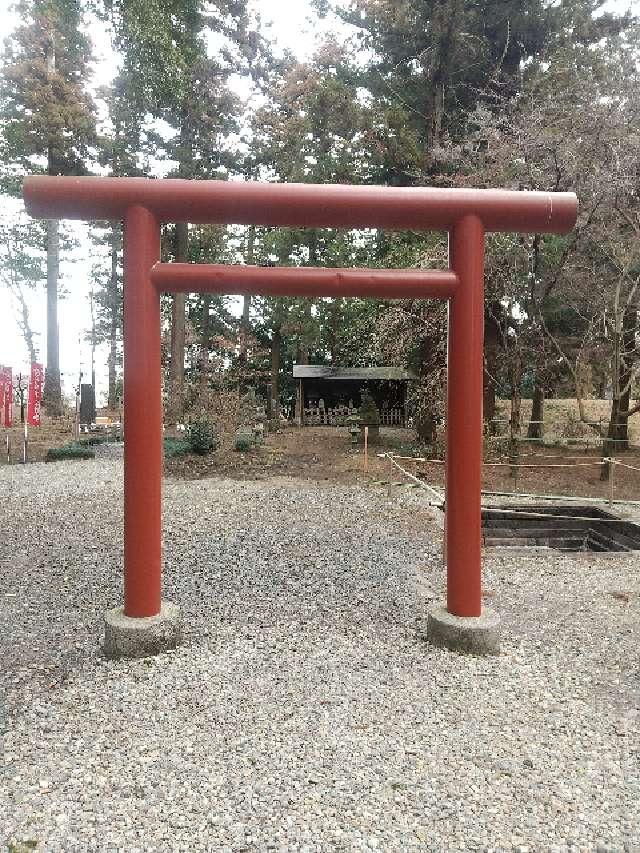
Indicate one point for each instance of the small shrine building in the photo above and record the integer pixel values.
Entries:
(327, 395)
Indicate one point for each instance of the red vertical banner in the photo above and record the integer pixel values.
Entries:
(8, 397)
(2, 371)
(35, 394)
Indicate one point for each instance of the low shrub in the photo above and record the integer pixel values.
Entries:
(94, 440)
(73, 450)
(243, 442)
(573, 427)
(202, 436)
(176, 447)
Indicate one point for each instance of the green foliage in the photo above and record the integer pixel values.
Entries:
(45, 107)
(243, 442)
(176, 447)
(95, 440)
(430, 64)
(73, 450)
(200, 439)
(497, 92)
(369, 414)
(201, 436)
(169, 75)
(574, 428)
(22, 268)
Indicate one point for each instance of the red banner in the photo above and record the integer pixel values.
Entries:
(8, 397)
(35, 394)
(1, 395)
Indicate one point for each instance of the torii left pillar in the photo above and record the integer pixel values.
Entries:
(145, 625)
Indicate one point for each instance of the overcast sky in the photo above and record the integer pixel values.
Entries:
(295, 31)
(292, 26)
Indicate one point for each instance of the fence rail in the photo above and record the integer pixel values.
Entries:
(337, 416)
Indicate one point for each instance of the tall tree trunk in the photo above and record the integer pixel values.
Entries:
(276, 343)
(176, 370)
(243, 373)
(15, 288)
(304, 343)
(515, 423)
(629, 326)
(447, 26)
(334, 328)
(205, 347)
(609, 443)
(114, 314)
(52, 392)
(93, 344)
(245, 327)
(617, 438)
(426, 428)
(491, 343)
(21, 391)
(537, 409)
(24, 321)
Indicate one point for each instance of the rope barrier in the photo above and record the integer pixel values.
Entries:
(504, 464)
(572, 498)
(586, 423)
(439, 495)
(624, 465)
(398, 484)
(417, 483)
(554, 456)
(551, 465)
(493, 464)
(532, 514)
(414, 458)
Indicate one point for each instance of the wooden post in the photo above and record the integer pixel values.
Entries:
(612, 470)
(366, 449)
(403, 411)
(301, 403)
(24, 442)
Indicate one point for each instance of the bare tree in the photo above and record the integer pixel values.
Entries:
(22, 270)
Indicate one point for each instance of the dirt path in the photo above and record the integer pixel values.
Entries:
(313, 453)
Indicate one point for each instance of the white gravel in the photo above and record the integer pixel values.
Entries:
(304, 713)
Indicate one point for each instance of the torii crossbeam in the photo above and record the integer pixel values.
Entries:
(147, 625)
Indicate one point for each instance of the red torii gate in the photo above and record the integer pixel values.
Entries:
(144, 203)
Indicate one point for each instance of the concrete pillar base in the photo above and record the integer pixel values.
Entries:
(129, 637)
(475, 635)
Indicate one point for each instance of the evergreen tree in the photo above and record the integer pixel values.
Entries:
(48, 125)
(23, 267)
(173, 78)
(124, 151)
(432, 63)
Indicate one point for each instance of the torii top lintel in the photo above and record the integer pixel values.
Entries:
(299, 205)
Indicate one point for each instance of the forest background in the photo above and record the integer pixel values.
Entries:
(526, 95)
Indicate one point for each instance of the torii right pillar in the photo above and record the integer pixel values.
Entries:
(464, 624)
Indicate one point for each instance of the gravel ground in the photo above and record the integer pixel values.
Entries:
(304, 712)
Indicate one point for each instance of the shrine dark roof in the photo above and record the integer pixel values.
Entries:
(320, 371)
